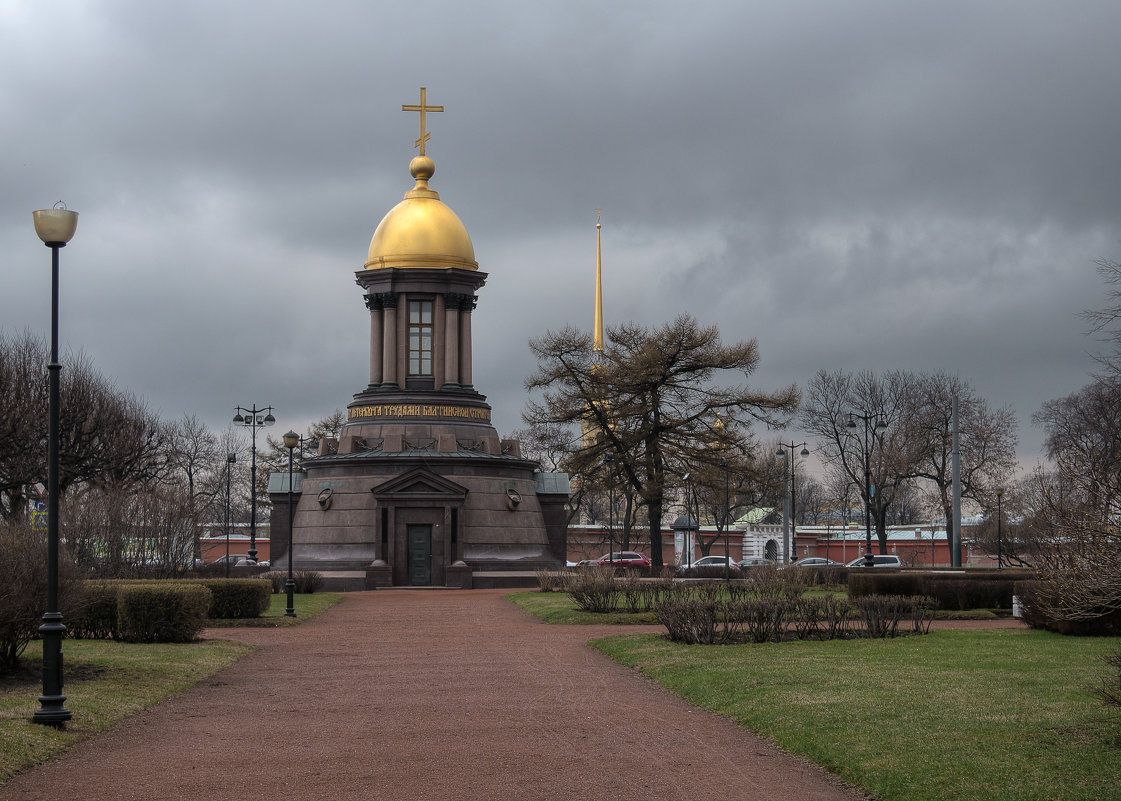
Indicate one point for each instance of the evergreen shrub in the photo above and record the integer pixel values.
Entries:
(161, 611)
(883, 581)
(710, 572)
(238, 598)
(971, 589)
(97, 619)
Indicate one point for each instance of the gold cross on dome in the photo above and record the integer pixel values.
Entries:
(423, 108)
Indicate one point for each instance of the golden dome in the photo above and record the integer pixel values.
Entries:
(421, 231)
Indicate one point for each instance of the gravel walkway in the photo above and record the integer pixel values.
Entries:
(438, 694)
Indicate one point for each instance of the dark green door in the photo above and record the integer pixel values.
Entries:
(420, 555)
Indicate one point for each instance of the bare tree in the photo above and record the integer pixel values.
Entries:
(915, 443)
(1084, 443)
(731, 482)
(833, 405)
(653, 402)
(986, 439)
(106, 435)
(1107, 320)
(129, 530)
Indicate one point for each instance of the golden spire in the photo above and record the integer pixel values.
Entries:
(597, 346)
(423, 108)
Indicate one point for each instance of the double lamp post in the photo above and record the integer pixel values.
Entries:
(792, 543)
(869, 443)
(253, 419)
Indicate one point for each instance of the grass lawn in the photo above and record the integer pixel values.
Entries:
(1000, 714)
(106, 682)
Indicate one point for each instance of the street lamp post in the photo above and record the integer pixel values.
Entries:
(291, 440)
(727, 511)
(55, 227)
(999, 555)
(253, 420)
(792, 554)
(231, 459)
(609, 460)
(869, 443)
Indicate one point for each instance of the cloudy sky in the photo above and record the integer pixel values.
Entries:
(857, 185)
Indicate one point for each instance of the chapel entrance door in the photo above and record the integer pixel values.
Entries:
(420, 554)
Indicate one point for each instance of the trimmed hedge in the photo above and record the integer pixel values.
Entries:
(958, 590)
(883, 581)
(161, 611)
(237, 598)
(99, 617)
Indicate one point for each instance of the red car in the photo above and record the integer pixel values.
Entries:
(624, 559)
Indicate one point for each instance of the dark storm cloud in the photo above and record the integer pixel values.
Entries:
(857, 185)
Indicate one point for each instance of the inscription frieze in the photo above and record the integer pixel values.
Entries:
(424, 410)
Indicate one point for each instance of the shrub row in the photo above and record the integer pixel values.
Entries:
(137, 610)
(988, 589)
(601, 589)
(306, 581)
(697, 615)
(598, 589)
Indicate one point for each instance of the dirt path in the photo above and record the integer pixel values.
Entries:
(425, 695)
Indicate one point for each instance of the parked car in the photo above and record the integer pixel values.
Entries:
(878, 560)
(816, 561)
(756, 562)
(714, 560)
(624, 559)
(711, 561)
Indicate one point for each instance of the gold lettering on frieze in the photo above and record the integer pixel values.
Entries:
(418, 410)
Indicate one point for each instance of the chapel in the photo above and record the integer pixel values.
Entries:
(419, 489)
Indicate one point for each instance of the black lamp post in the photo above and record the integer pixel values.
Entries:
(55, 227)
(291, 440)
(869, 443)
(727, 514)
(609, 460)
(792, 554)
(687, 534)
(999, 555)
(231, 458)
(252, 419)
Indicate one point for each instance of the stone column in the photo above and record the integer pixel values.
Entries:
(452, 303)
(469, 302)
(389, 337)
(373, 303)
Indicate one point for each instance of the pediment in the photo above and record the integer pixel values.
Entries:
(419, 483)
